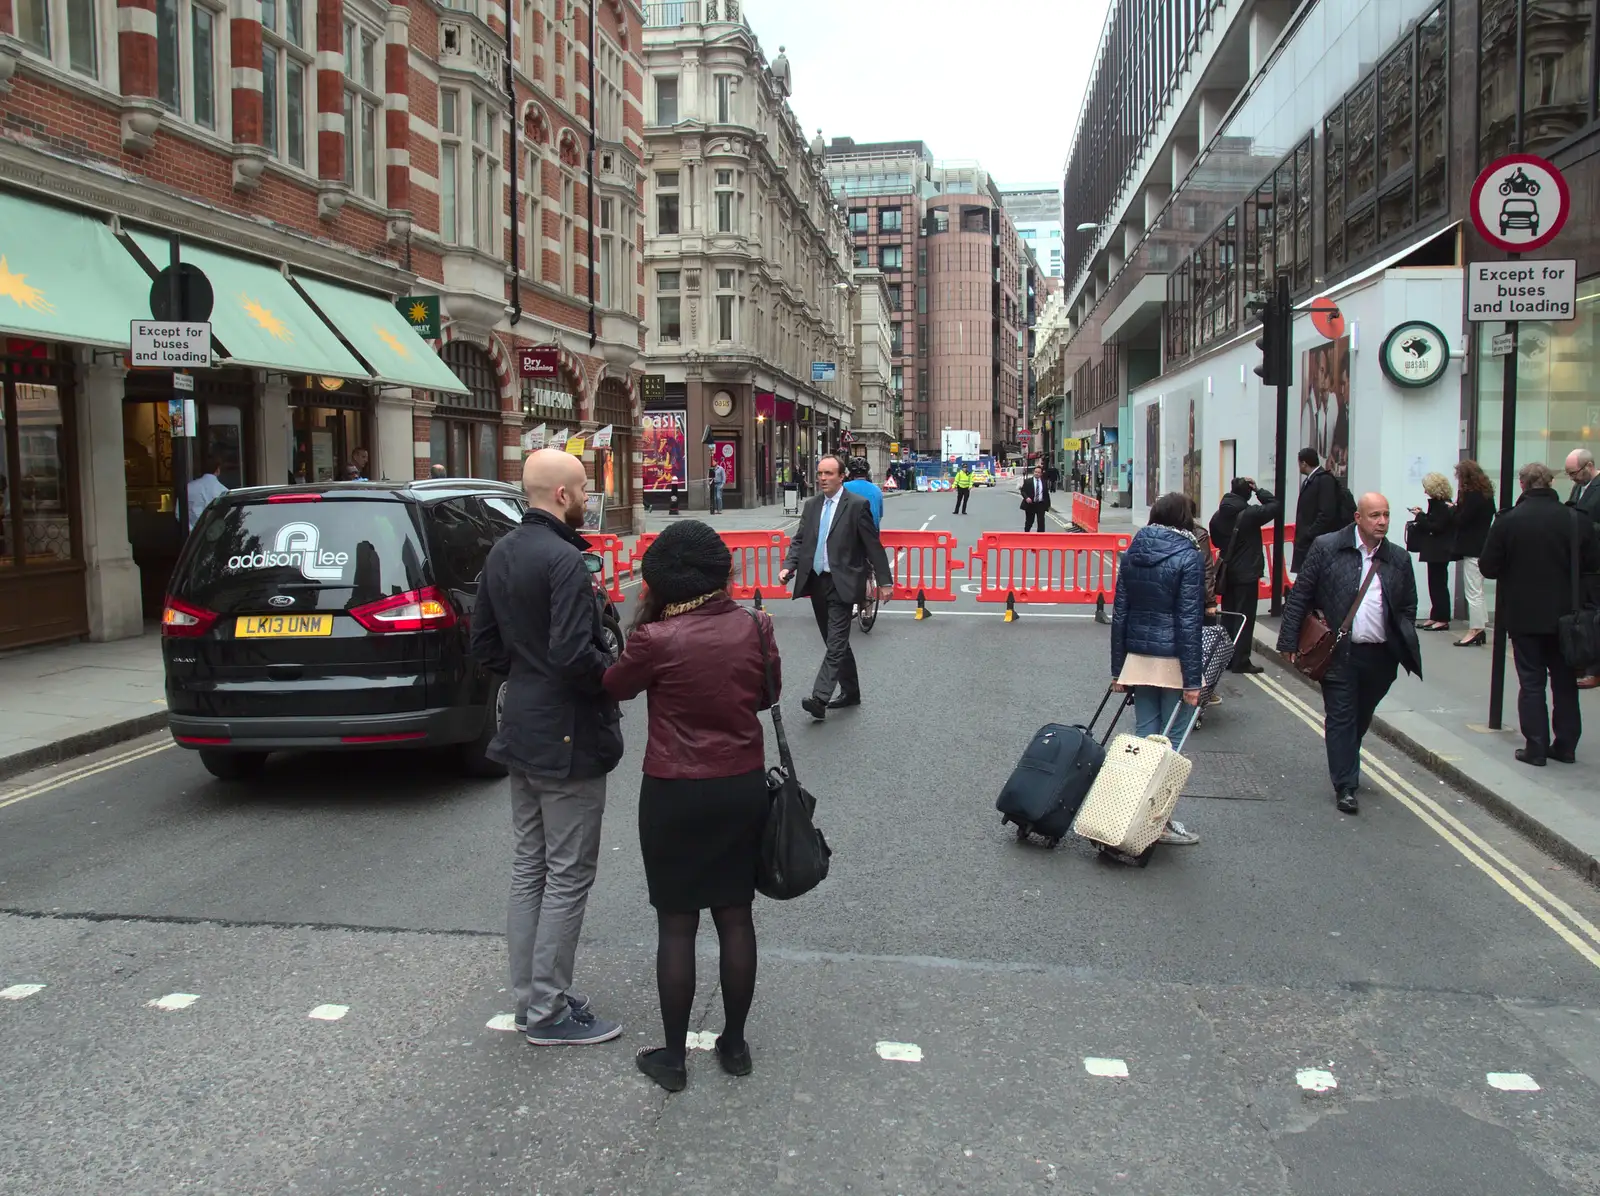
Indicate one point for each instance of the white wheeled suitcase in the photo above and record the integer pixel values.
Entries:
(1133, 796)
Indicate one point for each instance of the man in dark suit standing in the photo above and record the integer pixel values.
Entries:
(1585, 499)
(1529, 550)
(833, 556)
(1236, 533)
(1356, 572)
(1035, 499)
(1317, 513)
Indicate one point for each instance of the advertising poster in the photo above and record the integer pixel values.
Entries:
(726, 454)
(1152, 453)
(1325, 404)
(1192, 454)
(663, 449)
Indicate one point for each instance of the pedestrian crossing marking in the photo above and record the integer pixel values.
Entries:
(1512, 1081)
(501, 1021)
(17, 992)
(1111, 1069)
(173, 1001)
(701, 1040)
(900, 1052)
(329, 1013)
(1315, 1079)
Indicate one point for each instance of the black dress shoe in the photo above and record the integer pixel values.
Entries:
(1527, 757)
(1248, 670)
(815, 707)
(844, 700)
(1560, 754)
(1345, 799)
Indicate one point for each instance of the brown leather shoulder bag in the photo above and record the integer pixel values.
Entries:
(1319, 642)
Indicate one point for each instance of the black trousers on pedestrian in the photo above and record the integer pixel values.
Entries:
(961, 500)
(1439, 591)
(1035, 517)
(1539, 661)
(1241, 597)
(1351, 692)
(835, 617)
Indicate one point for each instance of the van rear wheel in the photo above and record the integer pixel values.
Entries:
(475, 760)
(232, 766)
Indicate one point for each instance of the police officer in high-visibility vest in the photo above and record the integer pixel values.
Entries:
(963, 486)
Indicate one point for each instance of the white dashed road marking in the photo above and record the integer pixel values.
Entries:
(17, 991)
(702, 1040)
(900, 1052)
(1314, 1079)
(329, 1013)
(1114, 1069)
(173, 1001)
(1512, 1081)
(502, 1021)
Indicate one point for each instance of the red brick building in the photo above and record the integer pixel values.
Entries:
(317, 159)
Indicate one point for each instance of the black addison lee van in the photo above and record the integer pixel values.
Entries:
(334, 616)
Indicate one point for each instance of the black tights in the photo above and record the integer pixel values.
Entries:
(736, 932)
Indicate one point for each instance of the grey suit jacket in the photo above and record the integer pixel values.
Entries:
(855, 554)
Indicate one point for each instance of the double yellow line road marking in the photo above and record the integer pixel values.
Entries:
(78, 774)
(1574, 929)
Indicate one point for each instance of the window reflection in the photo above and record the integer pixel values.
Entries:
(1497, 77)
(1556, 49)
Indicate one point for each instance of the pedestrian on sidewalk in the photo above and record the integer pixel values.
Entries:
(1317, 512)
(1585, 499)
(1156, 625)
(1356, 569)
(1202, 542)
(1237, 527)
(962, 484)
(834, 556)
(1530, 552)
(1474, 514)
(1035, 500)
(1433, 539)
(719, 479)
(703, 798)
(536, 623)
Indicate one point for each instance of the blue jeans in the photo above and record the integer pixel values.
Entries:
(716, 498)
(1153, 706)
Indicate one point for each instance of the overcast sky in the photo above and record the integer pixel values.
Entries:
(995, 80)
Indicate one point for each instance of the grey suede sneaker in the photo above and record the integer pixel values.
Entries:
(577, 1003)
(570, 1031)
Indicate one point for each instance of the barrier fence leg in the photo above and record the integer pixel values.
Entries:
(922, 607)
(1011, 607)
(1100, 615)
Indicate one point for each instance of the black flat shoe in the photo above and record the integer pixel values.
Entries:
(844, 700)
(653, 1061)
(1524, 756)
(1476, 640)
(735, 1061)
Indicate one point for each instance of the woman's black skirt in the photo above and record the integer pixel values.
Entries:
(700, 840)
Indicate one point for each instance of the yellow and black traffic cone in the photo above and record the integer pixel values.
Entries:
(1011, 607)
(1100, 609)
(758, 601)
(922, 606)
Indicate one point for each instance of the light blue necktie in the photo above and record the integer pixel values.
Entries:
(819, 562)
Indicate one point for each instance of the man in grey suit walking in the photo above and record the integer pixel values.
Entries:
(833, 556)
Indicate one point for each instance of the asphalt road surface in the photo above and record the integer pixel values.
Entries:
(292, 985)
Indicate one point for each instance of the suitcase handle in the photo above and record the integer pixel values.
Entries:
(1127, 700)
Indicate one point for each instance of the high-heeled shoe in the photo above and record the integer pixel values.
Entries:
(1475, 640)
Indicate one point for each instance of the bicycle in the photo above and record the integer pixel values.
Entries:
(867, 612)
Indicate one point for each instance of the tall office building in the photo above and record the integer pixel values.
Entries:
(1036, 211)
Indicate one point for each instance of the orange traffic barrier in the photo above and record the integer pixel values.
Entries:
(609, 549)
(1270, 544)
(757, 561)
(1046, 567)
(924, 566)
(1085, 512)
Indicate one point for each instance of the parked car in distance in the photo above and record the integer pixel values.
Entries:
(334, 616)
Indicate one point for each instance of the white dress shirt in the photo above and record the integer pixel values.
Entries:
(201, 491)
(1367, 627)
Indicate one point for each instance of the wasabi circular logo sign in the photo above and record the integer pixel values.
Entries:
(1414, 354)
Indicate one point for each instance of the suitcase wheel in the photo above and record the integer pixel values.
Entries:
(1022, 832)
(1051, 842)
(1142, 860)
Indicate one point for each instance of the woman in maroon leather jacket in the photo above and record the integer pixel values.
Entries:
(703, 800)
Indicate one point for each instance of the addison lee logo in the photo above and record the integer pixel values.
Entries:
(296, 547)
(1414, 354)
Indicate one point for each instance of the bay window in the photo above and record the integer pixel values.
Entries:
(450, 167)
(285, 67)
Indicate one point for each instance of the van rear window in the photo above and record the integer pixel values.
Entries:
(347, 551)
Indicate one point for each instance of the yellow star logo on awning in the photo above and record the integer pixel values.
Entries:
(391, 340)
(270, 324)
(15, 287)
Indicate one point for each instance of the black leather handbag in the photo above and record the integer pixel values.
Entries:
(794, 855)
(1579, 632)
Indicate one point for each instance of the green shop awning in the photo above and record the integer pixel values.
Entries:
(64, 276)
(377, 331)
(259, 317)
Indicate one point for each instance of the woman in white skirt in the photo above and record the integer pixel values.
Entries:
(1474, 514)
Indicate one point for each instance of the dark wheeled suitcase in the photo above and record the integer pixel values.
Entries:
(1049, 783)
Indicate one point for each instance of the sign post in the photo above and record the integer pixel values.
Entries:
(1519, 203)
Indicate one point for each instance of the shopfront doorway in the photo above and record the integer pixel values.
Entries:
(613, 467)
(330, 433)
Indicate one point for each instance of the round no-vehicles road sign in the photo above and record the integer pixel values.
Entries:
(1519, 203)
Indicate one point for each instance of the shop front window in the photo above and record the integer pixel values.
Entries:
(465, 437)
(613, 466)
(327, 444)
(35, 491)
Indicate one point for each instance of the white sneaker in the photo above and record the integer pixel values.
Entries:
(1175, 834)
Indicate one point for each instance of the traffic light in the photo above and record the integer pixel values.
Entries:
(1276, 341)
(1267, 342)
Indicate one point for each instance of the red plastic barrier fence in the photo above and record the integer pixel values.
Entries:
(1270, 544)
(1054, 567)
(924, 564)
(757, 561)
(1085, 512)
(609, 549)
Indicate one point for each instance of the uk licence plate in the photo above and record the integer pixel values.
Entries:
(263, 627)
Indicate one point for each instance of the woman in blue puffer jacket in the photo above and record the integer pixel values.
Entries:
(1155, 627)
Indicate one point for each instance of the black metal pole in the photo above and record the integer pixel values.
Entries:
(1284, 315)
(1508, 472)
(180, 444)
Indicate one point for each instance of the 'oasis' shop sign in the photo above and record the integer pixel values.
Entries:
(1414, 354)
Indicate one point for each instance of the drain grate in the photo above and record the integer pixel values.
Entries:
(1228, 776)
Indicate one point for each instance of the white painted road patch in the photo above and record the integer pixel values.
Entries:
(900, 1052)
(1314, 1079)
(1512, 1081)
(701, 1040)
(17, 991)
(173, 1001)
(1113, 1069)
(501, 1021)
(329, 1013)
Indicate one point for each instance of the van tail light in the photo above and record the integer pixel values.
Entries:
(426, 609)
(183, 620)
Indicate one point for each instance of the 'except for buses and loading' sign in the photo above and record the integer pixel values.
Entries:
(166, 344)
(1525, 290)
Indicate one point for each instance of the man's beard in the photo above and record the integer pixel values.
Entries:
(574, 513)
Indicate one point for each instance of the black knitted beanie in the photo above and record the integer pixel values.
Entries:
(687, 560)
